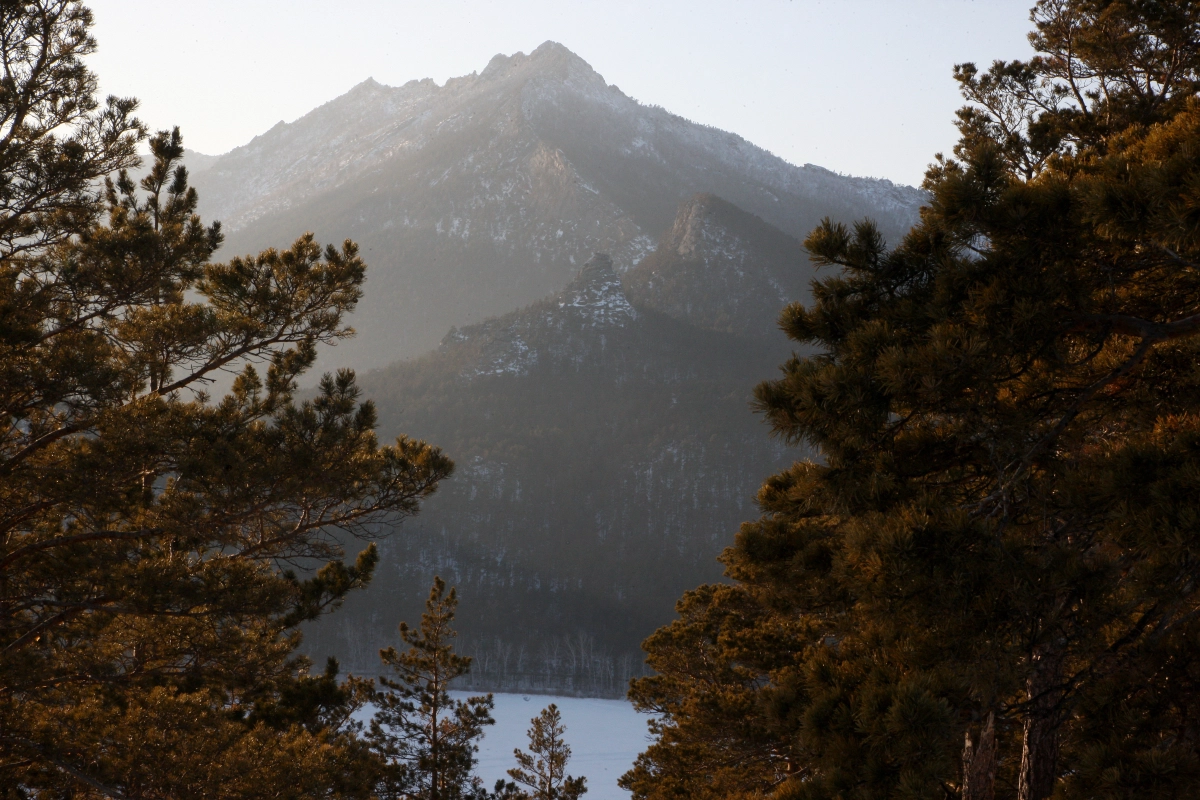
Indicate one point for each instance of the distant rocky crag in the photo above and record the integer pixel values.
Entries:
(722, 268)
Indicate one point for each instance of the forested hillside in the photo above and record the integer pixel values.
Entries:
(606, 453)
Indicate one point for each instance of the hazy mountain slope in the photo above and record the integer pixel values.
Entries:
(606, 455)
(479, 196)
(195, 162)
(719, 267)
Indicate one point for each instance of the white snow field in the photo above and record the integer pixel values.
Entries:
(605, 737)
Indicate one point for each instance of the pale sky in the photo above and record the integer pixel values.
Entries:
(862, 87)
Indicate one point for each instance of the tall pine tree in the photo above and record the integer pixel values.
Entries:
(159, 548)
(989, 585)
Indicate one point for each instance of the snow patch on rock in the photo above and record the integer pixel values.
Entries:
(565, 324)
(597, 297)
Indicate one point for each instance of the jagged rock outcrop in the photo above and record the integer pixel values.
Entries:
(597, 296)
(722, 268)
(479, 196)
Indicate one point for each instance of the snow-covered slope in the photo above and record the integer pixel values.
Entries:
(477, 197)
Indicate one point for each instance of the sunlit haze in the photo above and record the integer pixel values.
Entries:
(861, 87)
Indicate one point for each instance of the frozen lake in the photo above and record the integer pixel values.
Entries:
(605, 737)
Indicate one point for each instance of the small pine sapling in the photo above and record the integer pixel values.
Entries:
(542, 771)
(429, 739)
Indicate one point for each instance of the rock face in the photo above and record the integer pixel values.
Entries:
(719, 267)
(482, 195)
(597, 297)
(606, 453)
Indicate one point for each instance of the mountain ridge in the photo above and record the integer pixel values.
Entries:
(723, 268)
(484, 194)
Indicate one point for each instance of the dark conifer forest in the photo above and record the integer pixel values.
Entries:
(986, 585)
(857, 490)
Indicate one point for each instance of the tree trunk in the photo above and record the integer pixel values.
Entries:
(979, 764)
(1039, 746)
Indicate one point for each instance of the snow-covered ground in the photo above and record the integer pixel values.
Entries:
(605, 737)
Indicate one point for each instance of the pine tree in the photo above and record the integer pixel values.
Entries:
(428, 737)
(56, 139)
(543, 770)
(988, 587)
(712, 737)
(159, 548)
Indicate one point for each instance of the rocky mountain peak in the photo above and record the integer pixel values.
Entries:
(596, 294)
(552, 54)
(505, 181)
(598, 268)
(369, 85)
(723, 268)
(548, 58)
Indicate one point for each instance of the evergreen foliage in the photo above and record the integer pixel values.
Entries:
(429, 738)
(159, 548)
(56, 139)
(543, 770)
(989, 585)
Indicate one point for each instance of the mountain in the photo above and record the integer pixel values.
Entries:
(603, 433)
(479, 196)
(606, 454)
(722, 268)
(196, 163)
